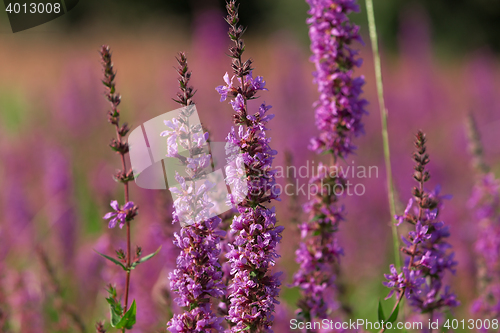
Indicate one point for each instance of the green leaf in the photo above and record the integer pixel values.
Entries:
(394, 315)
(315, 218)
(111, 259)
(115, 310)
(194, 304)
(381, 316)
(326, 152)
(146, 258)
(128, 319)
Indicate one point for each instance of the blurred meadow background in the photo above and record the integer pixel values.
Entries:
(440, 63)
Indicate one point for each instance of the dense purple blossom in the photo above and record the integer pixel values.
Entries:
(485, 201)
(253, 293)
(319, 252)
(253, 290)
(57, 176)
(198, 275)
(339, 109)
(339, 112)
(428, 253)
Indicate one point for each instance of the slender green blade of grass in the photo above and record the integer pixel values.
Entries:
(385, 134)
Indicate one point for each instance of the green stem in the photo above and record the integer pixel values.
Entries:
(385, 134)
(398, 301)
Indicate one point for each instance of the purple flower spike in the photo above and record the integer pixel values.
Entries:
(485, 207)
(127, 212)
(429, 258)
(340, 109)
(197, 277)
(338, 112)
(252, 252)
(485, 202)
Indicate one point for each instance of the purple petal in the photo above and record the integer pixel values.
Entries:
(114, 204)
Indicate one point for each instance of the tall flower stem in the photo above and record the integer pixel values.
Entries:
(114, 100)
(125, 188)
(128, 211)
(385, 133)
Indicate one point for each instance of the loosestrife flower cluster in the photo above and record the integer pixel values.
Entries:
(319, 252)
(485, 204)
(339, 112)
(428, 259)
(485, 201)
(198, 274)
(253, 291)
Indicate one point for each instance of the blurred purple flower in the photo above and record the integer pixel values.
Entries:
(339, 113)
(59, 190)
(76, 100)
(485, 203)
(339, 109)
(319, 252)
